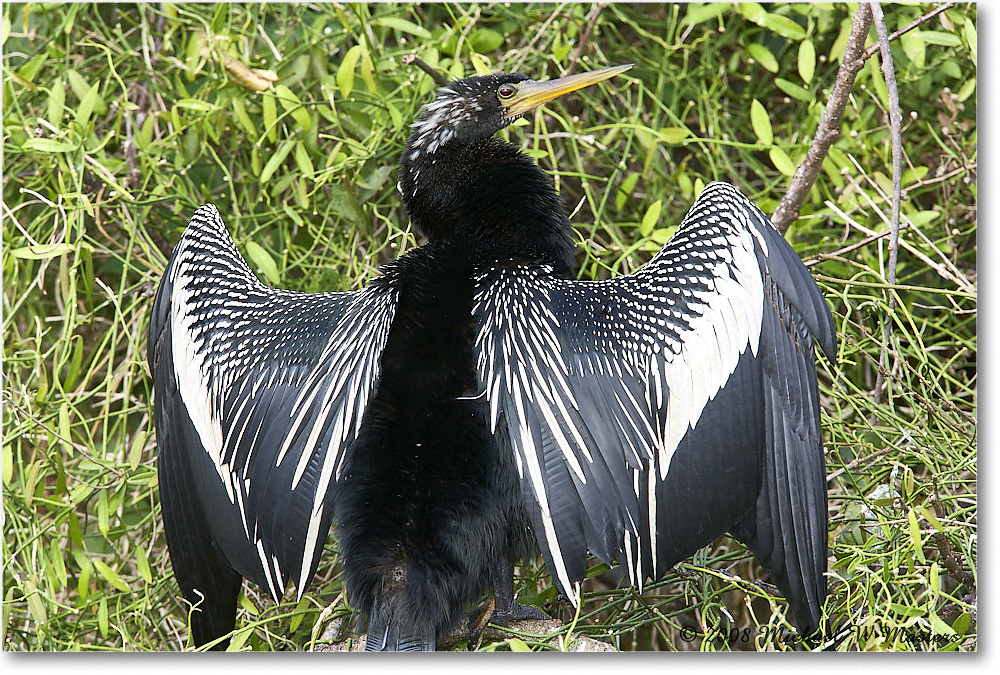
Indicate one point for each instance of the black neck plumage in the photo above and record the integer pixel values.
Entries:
(489, 198)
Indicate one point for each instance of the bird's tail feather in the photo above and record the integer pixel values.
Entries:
(386, 633)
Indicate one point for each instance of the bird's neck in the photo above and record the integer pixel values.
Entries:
(490, 199)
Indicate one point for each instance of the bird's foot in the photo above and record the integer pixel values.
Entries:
(501, 616)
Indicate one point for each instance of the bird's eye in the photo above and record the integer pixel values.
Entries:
(506, 91)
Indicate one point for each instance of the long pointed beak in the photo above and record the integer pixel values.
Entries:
(531, 94)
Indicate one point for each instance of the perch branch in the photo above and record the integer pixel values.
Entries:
(829, 125)
(872, 49)
(828, 130)
(895, 124)
(412, 59)
(592, 17)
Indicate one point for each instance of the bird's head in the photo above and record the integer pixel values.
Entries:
(459, 184)
(480, 106)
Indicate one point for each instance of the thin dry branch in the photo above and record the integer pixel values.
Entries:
(828, 130)
(436, 75)
(895, 133)
(592, 17)
(829, 125)
(872, 49)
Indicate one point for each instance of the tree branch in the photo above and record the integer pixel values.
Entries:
(906, 29)
(828, 130)
(829, 124)
(436, 75)
(895, 124)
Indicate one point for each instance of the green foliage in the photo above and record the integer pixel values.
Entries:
(120, 120)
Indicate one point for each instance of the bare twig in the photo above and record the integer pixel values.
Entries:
(412, 59)
(827, 132)
(829, 125)
(895, 124)
(906, 29)
(592, 16)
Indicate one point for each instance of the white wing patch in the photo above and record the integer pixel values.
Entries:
(233, 340)
(190, 370)
(730, 321)
(648, 351)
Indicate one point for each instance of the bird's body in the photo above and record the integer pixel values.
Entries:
(428, 502)
(475, 403)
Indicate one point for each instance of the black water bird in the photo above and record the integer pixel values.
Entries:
(474, 403)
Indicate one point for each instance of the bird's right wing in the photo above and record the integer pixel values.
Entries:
(643, 411)
(258, 393)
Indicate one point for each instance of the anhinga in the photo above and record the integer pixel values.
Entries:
(475, 403)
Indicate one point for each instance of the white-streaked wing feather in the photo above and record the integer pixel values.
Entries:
(275, 384)
(617, 373)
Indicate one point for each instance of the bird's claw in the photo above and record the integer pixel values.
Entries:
(501, 617)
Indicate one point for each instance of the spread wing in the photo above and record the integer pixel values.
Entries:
(258, 393)
(653, 412)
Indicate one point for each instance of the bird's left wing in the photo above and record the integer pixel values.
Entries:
(258, 393)
(635, 407)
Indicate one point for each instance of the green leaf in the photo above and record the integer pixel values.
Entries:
(937, 37)
(56, 103)
(518, 645)
(696, 14)
(971, 38)
(293, 106)
(265, 263)
(914, 48)
(245, 603)
(368, 72)
(485, 40)
(8, 464)
(41, 251)
(194, 104)
(87, 106)
(807, 60)
(240, 639)
(763, 56)
(625, 191)
(345, 73)
(783, 26)
(962, 623)
(270, 110)
(243, 118)
(65, 431)
(966, 91)
(303, 161)
(950, 68)
(79, 85)
(102, 616)
(939, 626)
(142, 565)
(301, 612)
(797, 92)
(915, 537)
(47, 145)
(672, 135)
(651, 218)
(135, 451)
(761, 123)
(111, 576)
(402, 25)
(781, 161)
(752, 11)
(275, 161)
(36, 606)
(29, 71)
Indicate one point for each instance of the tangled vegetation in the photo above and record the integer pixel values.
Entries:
(119, 120)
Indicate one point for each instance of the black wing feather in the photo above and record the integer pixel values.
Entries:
(651, 413)
(258, 394)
